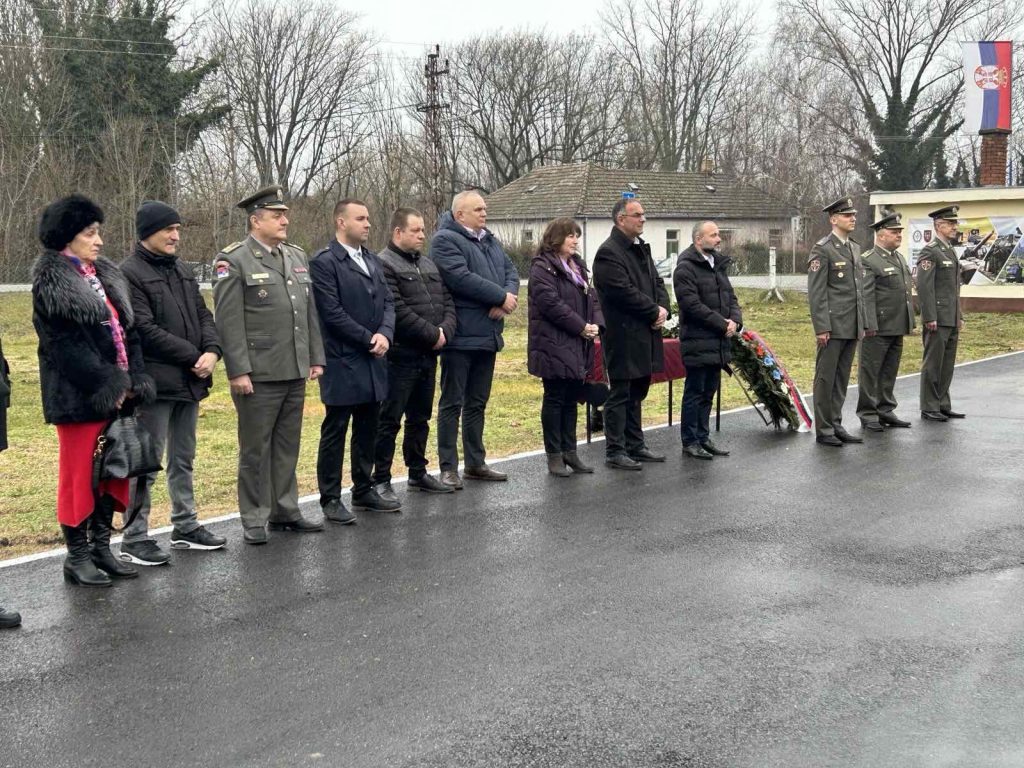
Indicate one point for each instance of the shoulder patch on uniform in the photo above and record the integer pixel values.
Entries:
(221, 269)
(925, 264)
(814, 265)
(233, 247)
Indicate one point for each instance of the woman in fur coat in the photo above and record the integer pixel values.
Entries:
(90, 364)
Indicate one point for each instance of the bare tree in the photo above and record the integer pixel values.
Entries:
(294, 74)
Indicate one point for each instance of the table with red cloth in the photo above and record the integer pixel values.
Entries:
(673, 369)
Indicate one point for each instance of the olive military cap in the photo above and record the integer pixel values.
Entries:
(892, 221)
(949, 213)
(842, 205)
(271, 198)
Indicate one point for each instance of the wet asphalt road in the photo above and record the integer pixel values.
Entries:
(789, 606)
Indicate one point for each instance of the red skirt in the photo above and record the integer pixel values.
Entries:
(75, 500)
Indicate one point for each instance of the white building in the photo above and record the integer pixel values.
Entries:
(518, 212)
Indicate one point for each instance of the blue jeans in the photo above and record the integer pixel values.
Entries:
(702, 383)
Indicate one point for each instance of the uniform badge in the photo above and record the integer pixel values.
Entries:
(815, 265)
(299, 269)
(947, 263)
(926, 265)
(263, 293)
(222, 269)
(840, 274)
(260, 275)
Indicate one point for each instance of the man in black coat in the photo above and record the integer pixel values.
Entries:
(636, 306)
(709, 315)
(424, 323)
(180, 347)
(357, 321)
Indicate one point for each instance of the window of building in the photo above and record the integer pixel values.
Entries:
(671, 242)
(528, 236)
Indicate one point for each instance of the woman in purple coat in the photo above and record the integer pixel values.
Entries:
(564, 320)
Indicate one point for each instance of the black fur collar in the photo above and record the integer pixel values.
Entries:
(63, 292)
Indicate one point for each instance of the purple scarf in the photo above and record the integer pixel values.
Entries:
(574, 272)
(88, 271)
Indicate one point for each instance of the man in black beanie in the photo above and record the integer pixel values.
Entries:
(181, 349)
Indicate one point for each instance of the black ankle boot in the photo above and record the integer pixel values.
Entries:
(99, 547)
(79, 567)
(573, 461)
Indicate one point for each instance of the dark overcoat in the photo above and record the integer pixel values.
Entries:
(352, 308)
(707, 302)
(173, 322)
(630, 291)
(78, 372)
(559, 308)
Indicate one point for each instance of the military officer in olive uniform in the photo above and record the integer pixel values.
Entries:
(887, 294)
(938, 296)
(835, 295)
(270, 333)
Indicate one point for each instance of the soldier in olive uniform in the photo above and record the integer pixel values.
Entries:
(835, 295)
(938, 295)
(267, 320)
(887, 294)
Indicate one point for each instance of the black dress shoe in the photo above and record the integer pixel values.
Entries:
(954, 415)
(371, 501)
(846, 437)
(450, 477)
(934, 416)
(483, 472)
(338, 513)
(623, 462)
(892, 421)
(429, 484)
(713, 449)
(645, 454)
(873, 426)
(698, 452)
(386, 492)
(830, 440)
(302, 525)
(9, 619)
(254, 535)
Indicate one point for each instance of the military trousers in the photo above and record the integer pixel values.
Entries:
(876, 379)
(831, 378)
(269, 431)
(937, 367)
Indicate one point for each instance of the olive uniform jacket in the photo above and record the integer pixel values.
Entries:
(265, 312)
(938, 284)
(835, 290)
(887, 293)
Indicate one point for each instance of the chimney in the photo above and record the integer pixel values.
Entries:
(993, 158)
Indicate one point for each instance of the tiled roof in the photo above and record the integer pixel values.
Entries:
(588, 190)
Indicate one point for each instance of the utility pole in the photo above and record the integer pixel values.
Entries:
(432, 108)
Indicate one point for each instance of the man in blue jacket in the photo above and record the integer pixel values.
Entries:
(357, 322)
(484, 283)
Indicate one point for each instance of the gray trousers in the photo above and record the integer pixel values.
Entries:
(269, 431)
(937, 367)
(876, 379)
(831, 378)
(172, 424)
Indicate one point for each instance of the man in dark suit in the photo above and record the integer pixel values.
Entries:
(357, 321)
(838, 315)
(888, 298)
(636, 306)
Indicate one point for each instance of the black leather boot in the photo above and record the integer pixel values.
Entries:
(573, 461)
(9, 619)
(78, 566)
(99, 545)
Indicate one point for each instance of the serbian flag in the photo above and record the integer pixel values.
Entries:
(987, 78)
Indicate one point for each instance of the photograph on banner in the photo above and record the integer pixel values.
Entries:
(985, 246)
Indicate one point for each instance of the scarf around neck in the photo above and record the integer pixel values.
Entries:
(88, 272)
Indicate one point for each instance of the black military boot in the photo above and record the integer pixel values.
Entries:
(100, 523)
(78, 566)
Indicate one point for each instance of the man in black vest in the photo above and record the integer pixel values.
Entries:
(636, 306)
(424, 323)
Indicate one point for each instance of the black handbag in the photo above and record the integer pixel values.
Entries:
(125, 449)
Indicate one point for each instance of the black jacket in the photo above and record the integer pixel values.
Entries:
(630, 291)
(422, 302)
(173, 322)
(707, 302)
(78, 372)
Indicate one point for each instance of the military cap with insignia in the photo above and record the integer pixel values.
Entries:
(840, 206)
(892, 221)
(271, 198)
(949, 213)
